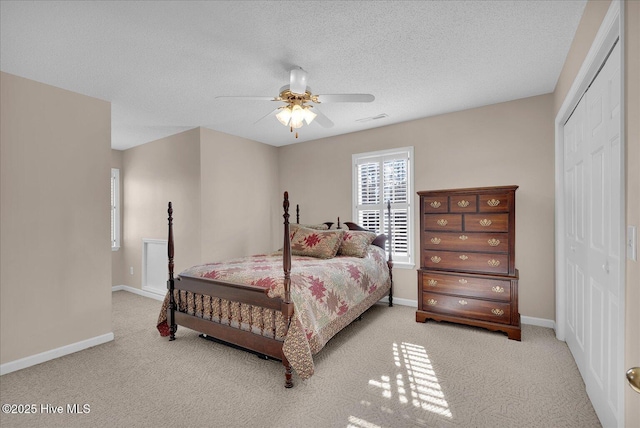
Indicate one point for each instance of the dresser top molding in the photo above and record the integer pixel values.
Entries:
(470, 190)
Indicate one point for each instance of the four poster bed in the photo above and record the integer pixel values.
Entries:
(285, 306)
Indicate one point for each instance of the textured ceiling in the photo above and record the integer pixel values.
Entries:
(161, 64)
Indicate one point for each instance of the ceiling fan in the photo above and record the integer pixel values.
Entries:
(300, 103)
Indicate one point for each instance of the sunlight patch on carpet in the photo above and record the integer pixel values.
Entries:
(355, 422)
(415, 382)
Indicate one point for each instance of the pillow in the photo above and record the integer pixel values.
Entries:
(293, 228)
(321, 226)
(322, 244)
(355, 243)
(343, 226)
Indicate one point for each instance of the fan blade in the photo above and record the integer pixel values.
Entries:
(271, 113)
(247, 98)
(322, 120)
(298, 80)
(346, 98)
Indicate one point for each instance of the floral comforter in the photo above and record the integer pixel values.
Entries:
(327, 294)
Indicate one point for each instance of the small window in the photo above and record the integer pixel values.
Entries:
(115, 209)
(379, 178)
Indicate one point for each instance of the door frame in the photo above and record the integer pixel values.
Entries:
(610, 30)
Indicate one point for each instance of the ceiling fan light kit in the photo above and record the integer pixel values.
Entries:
(297, 94)
(293, 115)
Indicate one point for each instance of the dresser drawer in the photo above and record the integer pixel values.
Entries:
(435, 204)
(465, 261)
(485, 310)
(463, 241)
(463, 204)
(443, 222)
(461, 285)
(495, 202)
(486, 222)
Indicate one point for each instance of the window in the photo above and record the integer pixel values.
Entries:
(115, 209)
(379, 178)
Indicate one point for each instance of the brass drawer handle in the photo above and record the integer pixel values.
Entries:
(497, 289)
(463, 203)
(442, 222)
(485, 222)
(493, 242)
(462, 302)
(435, 204)
(436, 240)
(432, 282)
(463, 237)
(432, 302)
(435, 259)
(493, 263)
(462, 281)
(498, 312)
(493, 202)
(463, 257)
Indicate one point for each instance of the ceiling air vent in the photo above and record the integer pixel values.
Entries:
(367, 119)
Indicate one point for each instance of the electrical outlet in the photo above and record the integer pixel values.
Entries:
(131, 270)
(632, 243)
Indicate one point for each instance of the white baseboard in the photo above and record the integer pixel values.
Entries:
(42, 357)
(32, 360)
(540, 322)
(151, 295)
(401, 302)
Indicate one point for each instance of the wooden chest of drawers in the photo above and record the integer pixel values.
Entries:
(467, 245)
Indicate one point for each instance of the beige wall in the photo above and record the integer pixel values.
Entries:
(55, 255)
(632, 141)
(154, 174)
(117, 257)
(239, 194)
(593, 16)
(222, 188)
(502, 144)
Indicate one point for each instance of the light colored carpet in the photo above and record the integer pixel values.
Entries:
(386, 370)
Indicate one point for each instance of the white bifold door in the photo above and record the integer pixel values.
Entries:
(592, 191)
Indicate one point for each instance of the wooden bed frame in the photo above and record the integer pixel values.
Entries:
(246, 294)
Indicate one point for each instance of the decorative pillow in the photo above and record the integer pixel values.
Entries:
(355, 243)
(293, 228)
(322, 244)
(321, 226)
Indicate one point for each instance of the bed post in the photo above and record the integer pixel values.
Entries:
(170, 283)
(287, 309)
(297, 213)
(390, 261)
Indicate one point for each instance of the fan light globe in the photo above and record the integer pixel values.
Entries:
(297, 116)
(284, 116)
(308, 115)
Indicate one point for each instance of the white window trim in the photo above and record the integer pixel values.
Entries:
(115, 209)
(355, 158)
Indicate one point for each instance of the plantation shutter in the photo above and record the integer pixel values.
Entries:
(380, 178)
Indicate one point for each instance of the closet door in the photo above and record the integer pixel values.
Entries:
(595, 300)
(576, 229)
